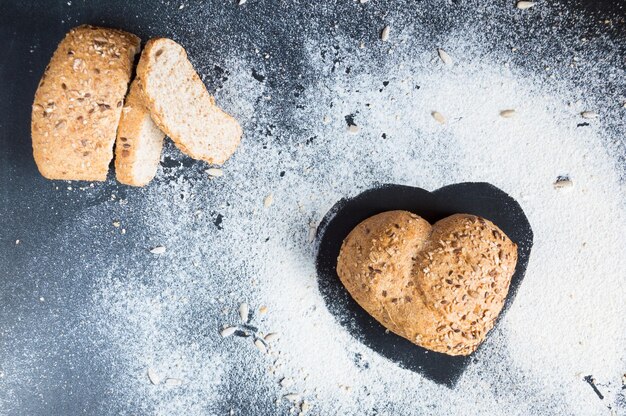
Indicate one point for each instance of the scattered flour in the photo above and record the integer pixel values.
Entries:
(226, 246)
(566, 322)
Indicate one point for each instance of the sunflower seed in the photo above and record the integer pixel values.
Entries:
(384, 35)
(292, 397)
(260, 345)
(352, 129)
(272, 336)
(445, 58)
(214, 172)
(507, 113)
(158, 250)
(173, 382)
(153, 376)
(244, 312)
(228, 331)
(268, 201)
(589, 114)
(523, 5)
(439, 118)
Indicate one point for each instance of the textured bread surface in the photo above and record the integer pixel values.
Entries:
(139, 141)
(441, 286)
(78, 103)
(181, 105)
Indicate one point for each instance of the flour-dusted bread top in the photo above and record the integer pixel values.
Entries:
(441, 287)
(78, 103)
(139, 141)
(181, 105)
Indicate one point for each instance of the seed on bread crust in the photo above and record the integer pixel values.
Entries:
(439, 286)
(75, 112)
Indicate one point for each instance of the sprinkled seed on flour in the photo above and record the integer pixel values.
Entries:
(153, 376)
(523, 5)
(268, 201)
(445, 58)
(439, 118)
(352, 129)
(384, 34)
(272, 336)
(260, 345)
(244, 312)
(116, 224)
(158, 250)
(589, 114)
(228, 331)
(172, 382)
(507, 113)
(215, 172)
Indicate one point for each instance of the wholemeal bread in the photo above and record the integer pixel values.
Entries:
(181, 105)
(440, 287)
(139, 141)
(78, 103)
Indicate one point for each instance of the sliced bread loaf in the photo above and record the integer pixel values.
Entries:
(181, 105)
(139, 141)
(78, 103)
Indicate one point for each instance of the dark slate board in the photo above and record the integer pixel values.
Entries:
(32, 210)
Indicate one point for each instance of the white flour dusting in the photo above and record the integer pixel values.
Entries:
(566, 322)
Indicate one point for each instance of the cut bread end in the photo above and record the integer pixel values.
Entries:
(139, 142)
(181, 105)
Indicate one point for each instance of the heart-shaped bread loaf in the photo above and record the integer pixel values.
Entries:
(441, 286)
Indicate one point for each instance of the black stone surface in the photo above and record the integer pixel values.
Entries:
(72, 378)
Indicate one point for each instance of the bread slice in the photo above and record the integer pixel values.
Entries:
(78, 103)
(139, 141)
(181, 105)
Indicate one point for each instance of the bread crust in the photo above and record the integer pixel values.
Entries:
(139, 141)
(440, 287)
(78, 103)
(198, 127)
